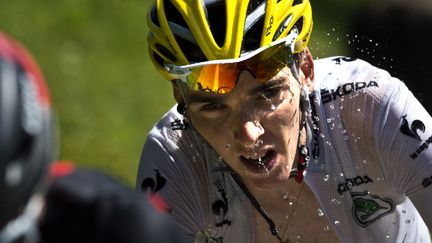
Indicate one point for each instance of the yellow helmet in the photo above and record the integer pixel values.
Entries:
(182, 32)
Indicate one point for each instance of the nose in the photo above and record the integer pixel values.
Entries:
(248, 133)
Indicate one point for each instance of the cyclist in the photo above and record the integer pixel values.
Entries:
(53, 203)
(255, 112)
(26, 142)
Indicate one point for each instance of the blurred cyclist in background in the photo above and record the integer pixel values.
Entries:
(255, 112)
(26, 142)
(58, 203)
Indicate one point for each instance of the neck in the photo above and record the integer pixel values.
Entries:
(272, 198)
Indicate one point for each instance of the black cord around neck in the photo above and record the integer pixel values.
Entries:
(273, 229)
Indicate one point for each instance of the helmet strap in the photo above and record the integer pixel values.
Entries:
(303, 151)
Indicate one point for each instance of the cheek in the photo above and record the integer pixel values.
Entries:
(286, 116)
(213, 132)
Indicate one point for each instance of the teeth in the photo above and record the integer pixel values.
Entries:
(259, 161)
(256, 160)
(259, 158)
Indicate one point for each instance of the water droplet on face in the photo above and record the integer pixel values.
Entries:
(387, 235)
(220, 159)
(228, 146)
(267, 171)
(334, 201)
(326, 228)
(341, 174)
(337, 222)
(320, 212)
(326, 177)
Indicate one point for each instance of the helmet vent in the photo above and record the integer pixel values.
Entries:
(164, 51)
(296, 2)
(254, 25)
(194, 53)
(160, 61)
(183, 36)
(153, 16)
(282, 27)
(299, 24)
(253, 5)
(252, 38)
(216, 17)
(174, 16)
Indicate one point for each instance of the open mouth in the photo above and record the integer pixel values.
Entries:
(259, 164)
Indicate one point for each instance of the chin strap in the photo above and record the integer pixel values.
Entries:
(303, 151)
(302, 163)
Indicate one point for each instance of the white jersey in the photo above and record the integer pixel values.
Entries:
(370, 167)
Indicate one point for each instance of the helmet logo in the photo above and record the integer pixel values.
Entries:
(268, 29)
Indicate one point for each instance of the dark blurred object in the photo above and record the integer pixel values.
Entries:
(26, 141)
(396, 36)
(88, 206)
(81, 205)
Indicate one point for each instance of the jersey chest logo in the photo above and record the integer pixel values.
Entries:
(368, 208)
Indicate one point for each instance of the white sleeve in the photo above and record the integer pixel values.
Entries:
(404, 144)
(163, 171)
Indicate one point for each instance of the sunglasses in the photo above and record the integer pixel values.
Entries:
(220, 76)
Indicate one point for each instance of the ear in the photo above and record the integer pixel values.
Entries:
(307, 68)
(181, 107)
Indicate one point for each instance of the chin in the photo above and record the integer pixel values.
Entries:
(275, 179)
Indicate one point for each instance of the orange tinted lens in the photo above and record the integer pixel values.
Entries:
(219, 78)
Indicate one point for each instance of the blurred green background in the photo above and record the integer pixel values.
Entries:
(106, 94)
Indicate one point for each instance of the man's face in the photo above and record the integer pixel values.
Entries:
(254, 128)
